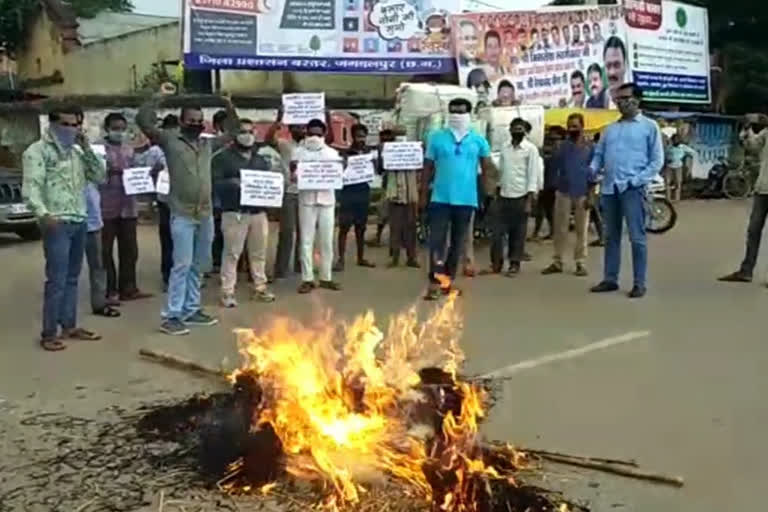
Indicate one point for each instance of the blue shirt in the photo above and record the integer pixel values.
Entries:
(572, 163)
(93, 208)
(676, 155)
(456, 166)
(630, 154)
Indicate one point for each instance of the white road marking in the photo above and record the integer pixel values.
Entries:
(568, 354)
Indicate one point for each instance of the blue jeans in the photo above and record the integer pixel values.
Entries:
(617, 207)
(445, 218)
(192, 241)
(64, 249)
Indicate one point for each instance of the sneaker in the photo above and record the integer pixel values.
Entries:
(229, 301)
(200, 319)
(174, 327)
(263, 295)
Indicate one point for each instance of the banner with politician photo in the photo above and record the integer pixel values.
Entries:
(554, 56)
(340, 36)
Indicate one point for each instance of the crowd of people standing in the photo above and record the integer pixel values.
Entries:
(79, 197)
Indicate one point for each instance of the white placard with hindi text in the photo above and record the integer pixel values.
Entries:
(301, 108)
(261, 188)
(359, 169)
(403, 155)
(321, 175)
(163, 185)
(138, 180)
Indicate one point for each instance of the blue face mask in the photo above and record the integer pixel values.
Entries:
(66, 135)
(115, 136)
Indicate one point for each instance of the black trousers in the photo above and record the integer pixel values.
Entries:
(218, 239)
(545, 209)
(123, 279)
(510, 220)
(755, 232)
(166, 241)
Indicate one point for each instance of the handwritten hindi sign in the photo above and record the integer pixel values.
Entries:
(137, 180)
(322, 175)
(301, 108)
(359, 169)
(261, 188)
(403, 155)
(163, 185)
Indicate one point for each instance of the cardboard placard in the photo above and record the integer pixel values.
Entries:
(163, 185)
(403, 155)
(301, 108)
(261, 188)
(138, 180)
(320, 175)
(359, 169)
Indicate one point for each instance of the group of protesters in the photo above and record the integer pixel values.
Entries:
(79, 197)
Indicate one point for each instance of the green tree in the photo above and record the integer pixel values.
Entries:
(15, 15)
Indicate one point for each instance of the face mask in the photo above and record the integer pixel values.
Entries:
(313, 142)
(574, 134)
(192, 131)
(66, 135)
(459, 122)
(246, 140)
(115, 137)
(517, 138)
(756, 128)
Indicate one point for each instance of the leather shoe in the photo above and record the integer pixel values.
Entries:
(637, 292)
(604, 286)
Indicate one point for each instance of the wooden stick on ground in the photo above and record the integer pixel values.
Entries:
(616, 469)
(179, 363)
(585, 458)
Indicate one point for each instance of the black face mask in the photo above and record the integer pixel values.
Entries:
(192, 131)
(757, 128)
(517, 138)
(574, 134)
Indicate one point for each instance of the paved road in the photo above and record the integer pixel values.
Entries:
(688, 398)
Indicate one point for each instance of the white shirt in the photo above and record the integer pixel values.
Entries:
(316, 197)
(518, 170)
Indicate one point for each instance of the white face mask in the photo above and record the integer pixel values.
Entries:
(459, 123)
(246, 140)
(313, 142)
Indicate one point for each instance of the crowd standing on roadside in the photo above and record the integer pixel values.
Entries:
(80, 200)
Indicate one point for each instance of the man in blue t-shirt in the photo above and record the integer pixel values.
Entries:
(453, 157)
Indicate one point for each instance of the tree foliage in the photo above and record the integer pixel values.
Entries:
(16, 15)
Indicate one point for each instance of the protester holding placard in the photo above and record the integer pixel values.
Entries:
(56, 170)
(355, 199)
(401, 194)
(451, 167)
(316, 207)
(120, 213)
(241, 222)
(189, 167)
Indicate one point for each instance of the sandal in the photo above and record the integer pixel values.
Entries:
(78, 333)
(107, 311)
(306, 287)
(52, 344)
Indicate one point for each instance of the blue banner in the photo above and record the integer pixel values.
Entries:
(666, 87)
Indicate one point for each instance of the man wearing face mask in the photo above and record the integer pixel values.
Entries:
(189, 167)
(56, 170)
(120, 214)
(240, 223)
(572, 179)
(518, 183)
(289, 214)
(629, 154)
(451, 164)
(316, 211)
(754, 138)
(354, 201)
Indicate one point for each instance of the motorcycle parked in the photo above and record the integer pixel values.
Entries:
(661, 215)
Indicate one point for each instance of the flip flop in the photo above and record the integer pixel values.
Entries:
(78, 333)
(108, 312)
(52, 345)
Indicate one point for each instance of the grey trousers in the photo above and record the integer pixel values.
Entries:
(97, 274)
(286, 242)
(755, 232)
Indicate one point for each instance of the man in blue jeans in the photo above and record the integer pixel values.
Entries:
(630, 153)
(56, 170)
(451, 164)
(188, 158)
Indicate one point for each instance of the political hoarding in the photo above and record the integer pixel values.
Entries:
(336, 36)
(669, 50)
(555, 56)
